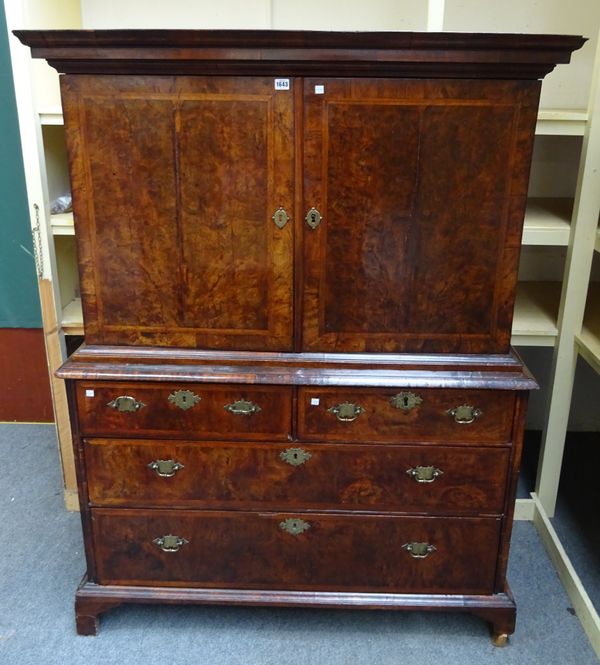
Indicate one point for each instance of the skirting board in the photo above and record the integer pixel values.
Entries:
(583, 606)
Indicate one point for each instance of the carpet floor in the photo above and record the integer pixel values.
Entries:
(41, 563)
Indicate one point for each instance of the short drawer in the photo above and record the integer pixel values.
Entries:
(295, 551)
(184, 411)
(426, 416)
(149, 473)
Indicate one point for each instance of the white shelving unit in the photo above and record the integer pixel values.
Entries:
(561, 223)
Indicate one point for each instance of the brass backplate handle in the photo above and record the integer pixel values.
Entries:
(313, 218)
(419, 550)
(346, 412)
(295, 456)
(184, 399)
(165, 468)
(242, 407)
(424, 474)
(294, 525)
(465, 414)
(170, 543)
(406, 401)
(126, 404)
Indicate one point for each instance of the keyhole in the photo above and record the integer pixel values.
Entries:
(313, 218)
(405, 400)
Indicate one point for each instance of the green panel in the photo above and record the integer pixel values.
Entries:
(19, 299)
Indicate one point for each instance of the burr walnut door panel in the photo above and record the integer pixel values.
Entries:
(175, 183)
(421, 188)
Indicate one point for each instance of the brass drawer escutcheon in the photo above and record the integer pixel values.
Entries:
(170, 543)
(184, 399)
(280, 217)
(419, 550)
(165, 468)
(424, 474)
(126, 404)
(294, 526)
(313, 218)
(295, 456)
(346, 412)
(405, 401)
(242, 407)
(464, 414)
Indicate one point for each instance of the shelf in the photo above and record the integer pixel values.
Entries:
(547, 221)
(565, 122)
(72, 318)
(588, 340)
(62, 224)
(536, 312)
(51, 117)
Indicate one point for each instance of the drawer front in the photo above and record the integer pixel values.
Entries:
(296, 551)
(184, 411)
(254, 476)
(427, 416)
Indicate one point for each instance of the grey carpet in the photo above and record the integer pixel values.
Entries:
(41, 562)
(577, 521)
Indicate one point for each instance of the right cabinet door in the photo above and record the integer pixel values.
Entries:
(421, 188)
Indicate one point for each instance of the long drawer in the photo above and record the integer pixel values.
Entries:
(440, 480)
(203, 411)
(295, 551)
(390, 415)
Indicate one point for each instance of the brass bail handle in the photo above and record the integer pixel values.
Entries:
(419, 550)
(346, 412)
(242, 407)
(424, 474)
(165, 468)
(465, 414)
(170, 543)
(126, 404)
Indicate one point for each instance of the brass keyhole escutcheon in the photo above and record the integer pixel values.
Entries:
(280, 217)
(406, 401)
(294, 525)
(295, 456)
(184, 399)
(313, 218)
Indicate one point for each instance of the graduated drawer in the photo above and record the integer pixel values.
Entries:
(390, 415)
(249, 475)
(203, 411)
(295, 550)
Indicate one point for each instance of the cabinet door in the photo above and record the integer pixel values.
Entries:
(421, 186)
(175, 183)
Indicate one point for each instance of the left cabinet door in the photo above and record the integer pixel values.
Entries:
(175, 184)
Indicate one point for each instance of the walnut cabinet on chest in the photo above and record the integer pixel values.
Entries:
(298, 257)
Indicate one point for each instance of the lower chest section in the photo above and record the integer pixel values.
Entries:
(242, 486)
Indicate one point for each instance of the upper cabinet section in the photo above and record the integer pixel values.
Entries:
(307, 191)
